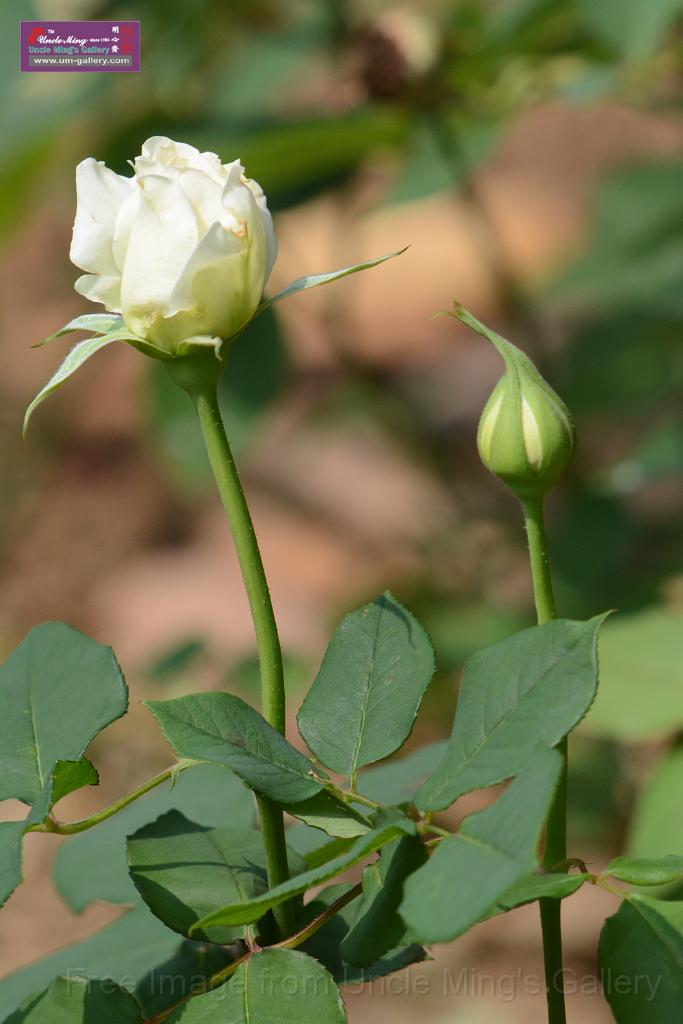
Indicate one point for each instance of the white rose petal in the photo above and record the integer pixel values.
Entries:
(271, 240)
(182, 249)
(162, 238)
(101, 288)
(533, 442)
(100, 196)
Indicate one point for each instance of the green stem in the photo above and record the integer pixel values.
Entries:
(540, 563)
(351, 797)
(202, 390)
(556, 830)
(72, 827)
(433, 830)
(305, 933)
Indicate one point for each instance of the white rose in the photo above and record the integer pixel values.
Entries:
(182, 249)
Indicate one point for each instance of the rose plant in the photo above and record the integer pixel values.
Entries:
(220, 927)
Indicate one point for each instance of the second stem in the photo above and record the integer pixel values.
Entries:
(556, 832)
(268, 644)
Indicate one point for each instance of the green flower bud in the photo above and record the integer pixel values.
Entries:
(526, 435)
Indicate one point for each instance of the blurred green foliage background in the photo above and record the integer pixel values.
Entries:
(531, 154)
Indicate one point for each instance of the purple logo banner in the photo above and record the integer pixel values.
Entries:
(80, 45)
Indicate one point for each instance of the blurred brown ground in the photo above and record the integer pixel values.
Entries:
(98, 538)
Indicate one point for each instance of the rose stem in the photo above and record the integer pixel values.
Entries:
(556, 831)
(198, 375)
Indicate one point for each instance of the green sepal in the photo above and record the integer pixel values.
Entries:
(314, 280)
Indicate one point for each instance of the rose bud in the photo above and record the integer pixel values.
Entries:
(182, 249)
(526, 434)
(179, 255)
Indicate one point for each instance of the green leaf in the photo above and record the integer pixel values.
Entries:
(641, 960)
(646, 870)
(136, 949)
(633, 28)
(327, 812)
(11, 841)
(641, 677)
(326, 944)
(221, 727)
(378, 927)
(372, 679)
(533, 687)
(313, 280)
(275, 986)
(537, 887)
(306, 840)
(185, 871)
(58, 689)
(73, 1001)
(79, 354)
(98, 323)
(186, 970)
(11, 838)
(244, 913)
(470, 871)
(92, 865)
(655, 831)
(395, 782)
(68, 776)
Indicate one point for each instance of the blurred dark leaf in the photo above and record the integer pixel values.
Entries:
(600, 529)
(442, 158)
(35, 113)
(658, 456)
(634, 28)
(252, 78)
(636, 255)
(177, 659)
(595, 812)
(655, 830)
(256, 371)
(395, 781)
(294, 160)
(459, 628)
(641, 678)
(594, 83)
(298, 673)
(621, 364)
(535, 25)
